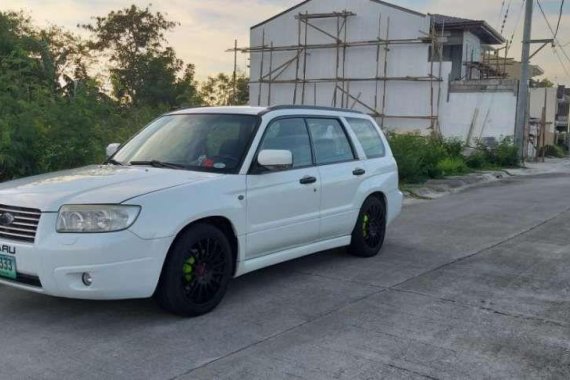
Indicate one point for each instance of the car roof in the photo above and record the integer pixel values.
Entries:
(248, 110)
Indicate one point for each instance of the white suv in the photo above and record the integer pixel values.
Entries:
(198, 197)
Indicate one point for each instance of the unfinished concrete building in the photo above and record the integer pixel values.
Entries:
(409, 70)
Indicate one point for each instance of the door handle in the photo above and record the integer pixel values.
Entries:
(359, 172)
(307, 180)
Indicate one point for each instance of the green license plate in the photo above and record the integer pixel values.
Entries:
(8, 266)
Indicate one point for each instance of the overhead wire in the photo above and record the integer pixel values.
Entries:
(559, 18)
(557, 44)
(506, 15)
(517, 23)
(552, 31)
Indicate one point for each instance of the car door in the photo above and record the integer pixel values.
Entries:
(283, 206)
(341, 175)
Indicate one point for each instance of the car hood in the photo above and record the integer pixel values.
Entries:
(92, 185)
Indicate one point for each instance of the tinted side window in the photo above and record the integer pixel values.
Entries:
(290, 134)
(369, 137)
(330, 141)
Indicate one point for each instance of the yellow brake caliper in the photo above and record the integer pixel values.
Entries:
(188, 268)
(365, 226)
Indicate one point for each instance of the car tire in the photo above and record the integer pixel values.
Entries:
(196, 272)
(370, 230)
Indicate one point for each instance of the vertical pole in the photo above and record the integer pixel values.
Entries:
(378, 63)
(234, 78)
(305, 59)
(270, 74)
(337, 59)
(261, 68)
(505, 62)
(298, 60)
(345, 41)
(543, 122)
(431, 97)
(439, 78)
(315, 94)
(386, 50)
(522, 105)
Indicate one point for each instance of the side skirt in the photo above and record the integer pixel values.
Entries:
(290, 254)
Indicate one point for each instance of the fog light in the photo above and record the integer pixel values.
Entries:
(86, 278)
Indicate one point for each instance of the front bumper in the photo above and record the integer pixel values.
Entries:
(121, 264)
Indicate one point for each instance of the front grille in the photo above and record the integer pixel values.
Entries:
(25, 223)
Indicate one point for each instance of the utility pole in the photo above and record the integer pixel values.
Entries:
(522, 105)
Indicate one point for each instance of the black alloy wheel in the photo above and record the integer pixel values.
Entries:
(370, 230)
(197, 272)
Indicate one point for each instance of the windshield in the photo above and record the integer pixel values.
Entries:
(210, 142)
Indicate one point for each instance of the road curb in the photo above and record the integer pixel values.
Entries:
(437, 188)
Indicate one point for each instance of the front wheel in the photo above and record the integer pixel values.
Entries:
(370, 230)
(196, 273)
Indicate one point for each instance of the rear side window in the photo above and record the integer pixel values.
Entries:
(330, 141)
(290, 134)
(368, 137)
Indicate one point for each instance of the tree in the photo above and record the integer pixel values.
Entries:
(219, 90)
(144, 71)
(542, 83)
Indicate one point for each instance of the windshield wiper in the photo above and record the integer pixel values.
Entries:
(158, 164)
(112, 161)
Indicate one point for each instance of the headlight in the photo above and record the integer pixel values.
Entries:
(96, 218)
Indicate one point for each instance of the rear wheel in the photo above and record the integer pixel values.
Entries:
(196, 273)
(370, 230)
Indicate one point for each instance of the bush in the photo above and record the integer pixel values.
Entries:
(555, 151)
(418, 156)
(506, 154)
(477, 160)
(454, 147)
(452, 166)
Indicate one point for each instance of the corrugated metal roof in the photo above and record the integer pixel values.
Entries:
(480, 28)
(306, 1)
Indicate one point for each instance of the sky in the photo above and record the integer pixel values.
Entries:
(209, 27)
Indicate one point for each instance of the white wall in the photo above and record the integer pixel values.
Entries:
(495, 115)
(538, 98)
(409, 98)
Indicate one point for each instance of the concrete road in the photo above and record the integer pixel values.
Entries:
(473, 285)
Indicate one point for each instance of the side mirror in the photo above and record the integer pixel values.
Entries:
(112, 149)
(275, 160)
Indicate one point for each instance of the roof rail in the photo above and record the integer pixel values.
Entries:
(314, 108)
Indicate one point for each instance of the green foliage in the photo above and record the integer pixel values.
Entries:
(451, 166)
(54, 115)
(417, 156)
(555, 151)
(219, 90)
(477, 160)
(542, 83)
(505, 154)
(420, 158)
(144, 71)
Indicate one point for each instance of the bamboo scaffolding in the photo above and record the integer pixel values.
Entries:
(304, 62)
(370, 79)
(259, 49)
(261, 70)
(386, 50)
(378, 48)
(299, 50)
(270, 75)
(342, 81)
